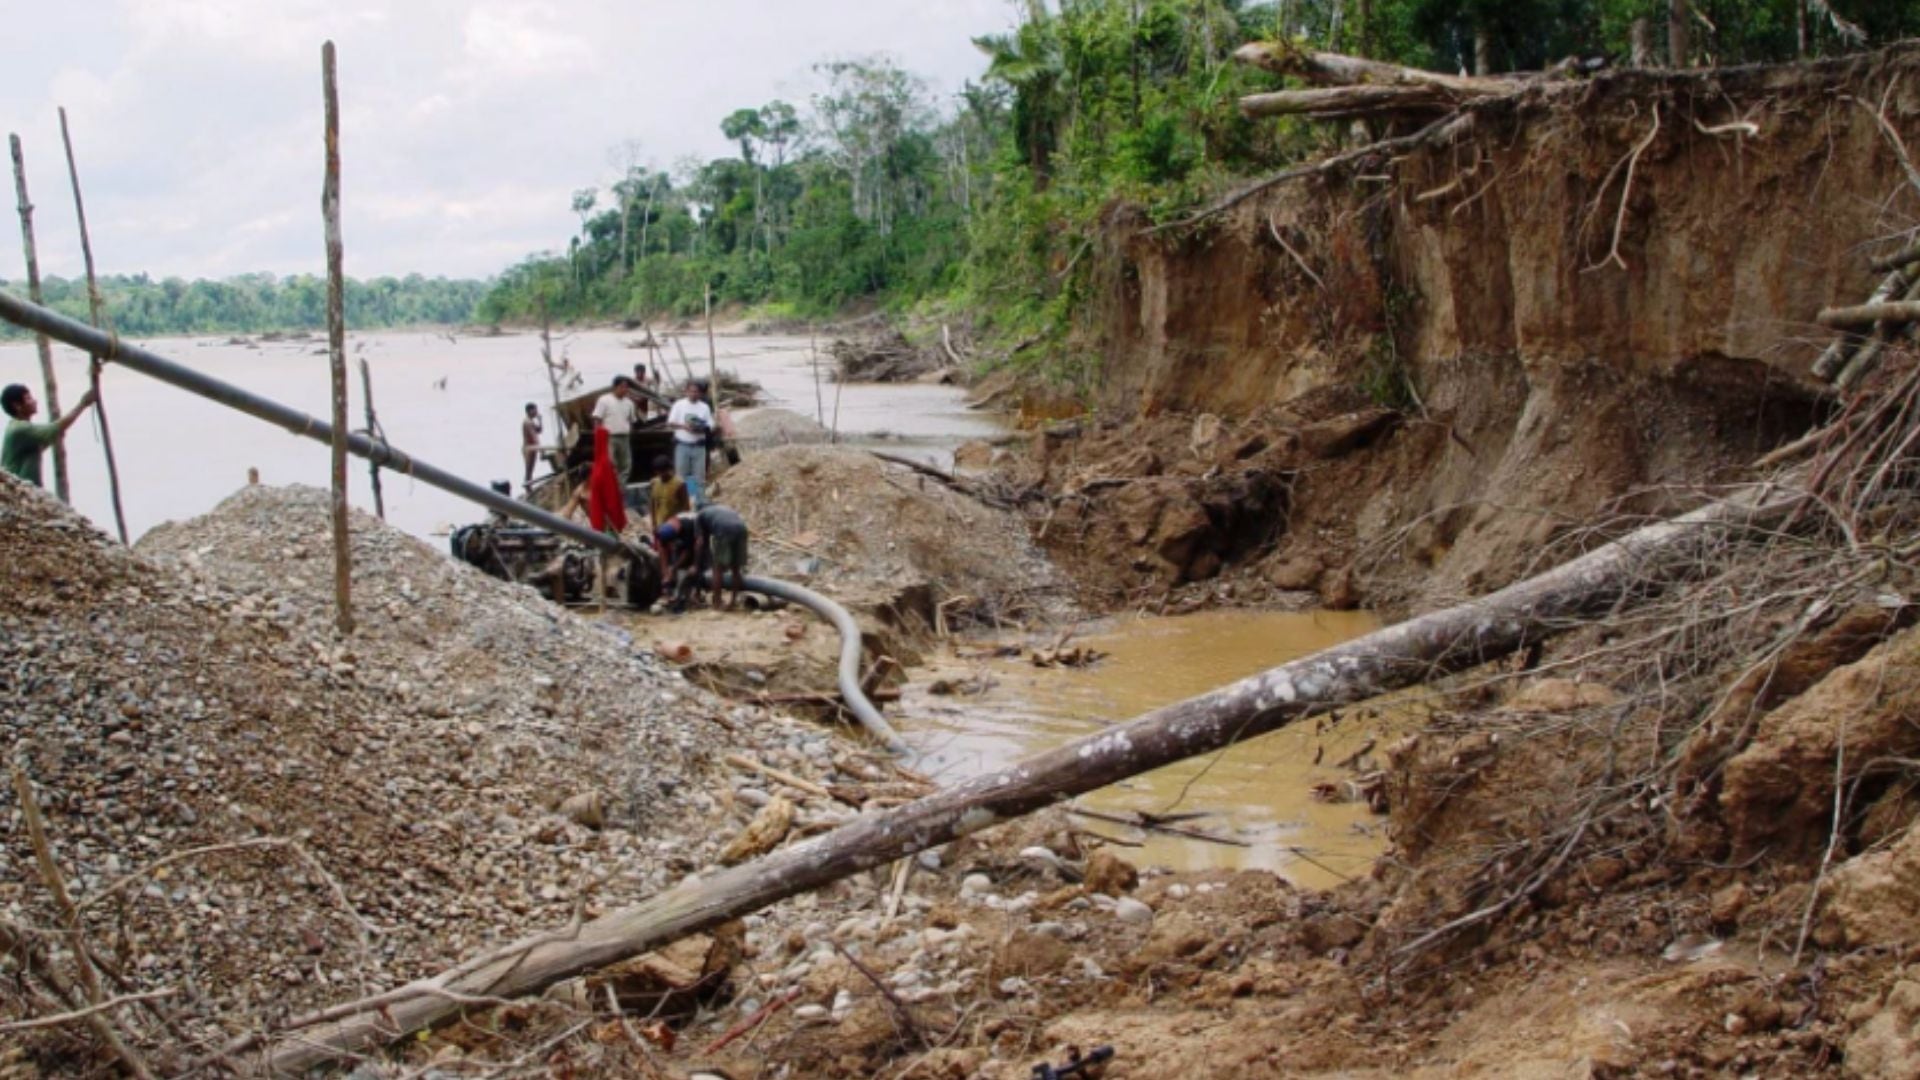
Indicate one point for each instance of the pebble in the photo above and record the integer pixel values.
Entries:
(1129, 910)
(974, 884)
(810, 1013)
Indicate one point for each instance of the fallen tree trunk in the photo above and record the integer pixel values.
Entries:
(1416, 651)
(1335, 69)
(1348, 100)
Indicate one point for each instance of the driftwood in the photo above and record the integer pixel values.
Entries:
(1416, 651)
(1863, 315)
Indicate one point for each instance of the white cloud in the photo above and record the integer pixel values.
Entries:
(465, 125)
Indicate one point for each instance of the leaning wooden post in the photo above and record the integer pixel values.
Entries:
(40, 341)
(97, 306)
(336, 349)
(374, 433)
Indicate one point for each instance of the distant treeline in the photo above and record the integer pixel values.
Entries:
(139, 306)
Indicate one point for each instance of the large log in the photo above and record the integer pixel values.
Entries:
(1335, 69)
(1348, 100)
(1416, 651)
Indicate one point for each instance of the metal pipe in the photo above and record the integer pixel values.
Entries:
(850, 689)
(110, 348)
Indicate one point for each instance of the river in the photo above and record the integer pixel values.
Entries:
(454, 401)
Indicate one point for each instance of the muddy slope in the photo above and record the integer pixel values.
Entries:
(1559, 350)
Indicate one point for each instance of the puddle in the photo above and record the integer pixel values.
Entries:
(1258, 792)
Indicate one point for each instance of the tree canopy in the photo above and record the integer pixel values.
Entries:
(878, 190)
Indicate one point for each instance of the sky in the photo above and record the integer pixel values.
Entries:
(465, 124)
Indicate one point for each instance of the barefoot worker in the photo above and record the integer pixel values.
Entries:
(722, 535)
(530, 429)
(25, 441)
(691, 420)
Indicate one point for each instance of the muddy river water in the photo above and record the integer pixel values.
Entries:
(456, 401)
(1259, 794)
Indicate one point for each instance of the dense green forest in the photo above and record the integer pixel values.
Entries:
(251, 303)
(877, 189)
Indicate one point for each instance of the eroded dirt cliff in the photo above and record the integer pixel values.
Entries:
(1566, 324)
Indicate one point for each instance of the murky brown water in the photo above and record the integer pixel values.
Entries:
(1259, 792)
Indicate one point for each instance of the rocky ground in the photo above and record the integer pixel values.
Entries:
(259, 815)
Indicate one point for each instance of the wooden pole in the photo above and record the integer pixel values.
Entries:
(97, 307)
(374, 433)
(336, 346)
(44, 346)
(713, 356)
(1417, 651)
(813, 355)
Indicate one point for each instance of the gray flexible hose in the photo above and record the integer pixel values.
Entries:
(850, 690)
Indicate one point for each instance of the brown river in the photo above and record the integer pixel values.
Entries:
(1258, 795)
(456, 401)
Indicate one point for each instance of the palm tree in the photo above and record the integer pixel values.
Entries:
(1029, 61)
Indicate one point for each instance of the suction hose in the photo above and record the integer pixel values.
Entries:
(850, 690)
(109, 347)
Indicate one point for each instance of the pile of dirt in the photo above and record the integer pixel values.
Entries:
(259, 815)
(1183, 511)
(757, 429)
(885, 538)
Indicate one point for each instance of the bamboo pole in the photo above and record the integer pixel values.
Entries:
(336, 346)
(373, 432)
(40, 342)
(97, 306)
(1410, 653)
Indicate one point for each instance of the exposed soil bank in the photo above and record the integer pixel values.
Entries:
(1544, 381)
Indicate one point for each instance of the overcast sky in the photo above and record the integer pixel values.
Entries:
(466, 124)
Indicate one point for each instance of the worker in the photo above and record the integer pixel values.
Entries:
(691, 419)
(615, 414)
(720, 535)
(25, 441)
(530, 429)
(669, 495)
(679, 560)
(642, 382)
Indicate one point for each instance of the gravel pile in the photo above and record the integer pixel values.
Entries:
(761, 428)
(881, 530)
(402, 789)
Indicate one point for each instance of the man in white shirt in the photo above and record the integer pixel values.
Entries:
(691, 418)
(616, 413)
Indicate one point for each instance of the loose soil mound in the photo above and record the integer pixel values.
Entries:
(394, 795)
(762, 428)
(885, 536)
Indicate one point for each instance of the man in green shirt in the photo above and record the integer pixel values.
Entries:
(25, 441)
